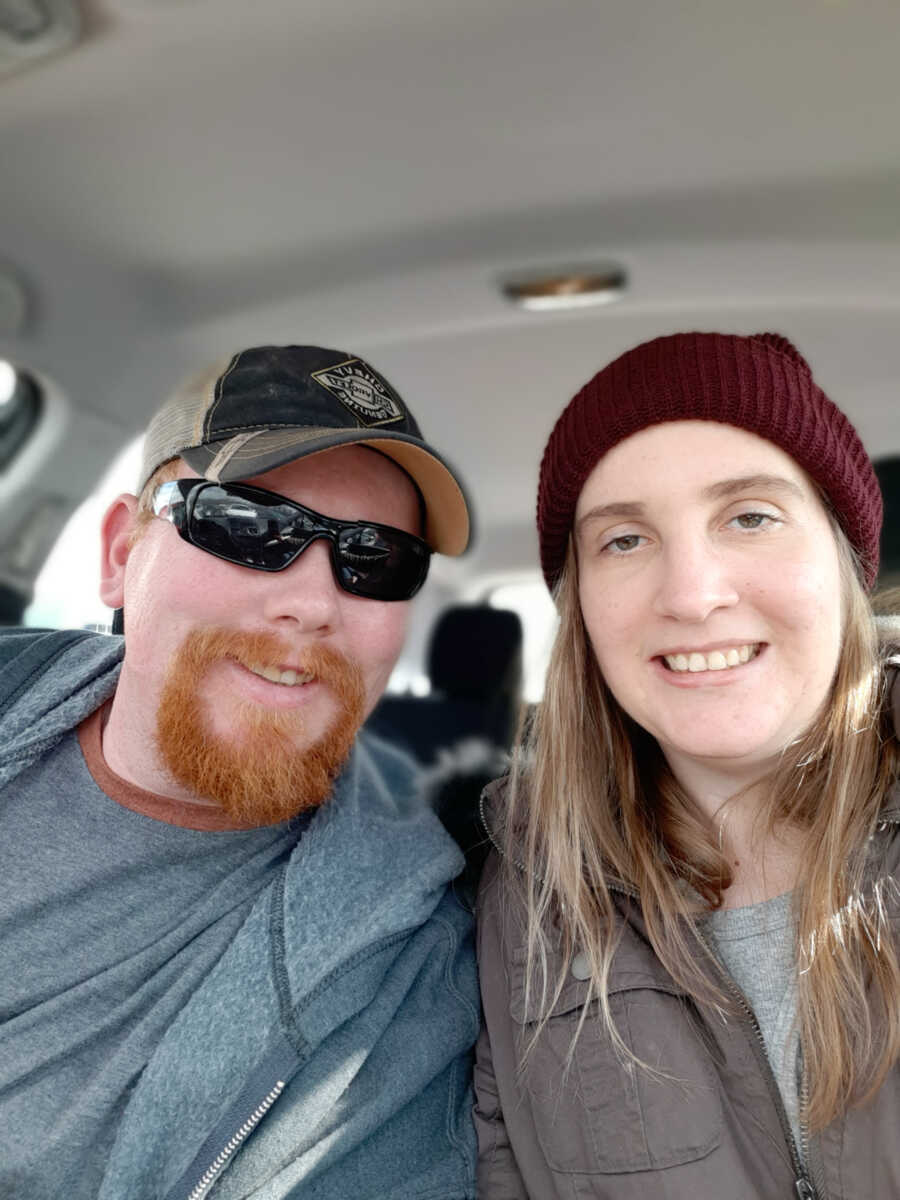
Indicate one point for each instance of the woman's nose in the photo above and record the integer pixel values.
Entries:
(695, 580)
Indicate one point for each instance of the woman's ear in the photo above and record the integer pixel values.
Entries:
(116, 532)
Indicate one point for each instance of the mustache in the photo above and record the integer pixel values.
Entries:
(253, 650)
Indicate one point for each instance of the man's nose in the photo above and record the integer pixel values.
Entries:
(305, 593)
(695, 580)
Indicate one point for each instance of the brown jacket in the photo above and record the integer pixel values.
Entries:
(716, 1130)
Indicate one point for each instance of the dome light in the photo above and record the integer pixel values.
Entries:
(563, 288)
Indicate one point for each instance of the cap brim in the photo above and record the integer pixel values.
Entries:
(447, 522)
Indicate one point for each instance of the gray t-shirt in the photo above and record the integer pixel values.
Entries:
(110, 921)
(756, 945)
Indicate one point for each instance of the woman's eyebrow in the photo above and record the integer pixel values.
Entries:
(623, 508)
(771, 483)
(720, 490)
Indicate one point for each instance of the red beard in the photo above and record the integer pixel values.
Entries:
(263, 772)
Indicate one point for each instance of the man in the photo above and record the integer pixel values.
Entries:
(230, 961)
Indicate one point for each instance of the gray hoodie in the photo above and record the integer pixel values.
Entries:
(328, 1053)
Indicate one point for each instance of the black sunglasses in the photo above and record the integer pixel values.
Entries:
(262, 530)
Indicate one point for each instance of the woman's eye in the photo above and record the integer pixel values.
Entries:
(624, 543)
(753, 520)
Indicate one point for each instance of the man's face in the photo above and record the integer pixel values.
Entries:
(201, 631)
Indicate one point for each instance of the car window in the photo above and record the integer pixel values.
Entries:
(20, 409)
(65, 592)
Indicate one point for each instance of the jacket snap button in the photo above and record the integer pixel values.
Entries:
(581, 967)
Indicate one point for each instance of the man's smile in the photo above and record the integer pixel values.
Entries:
(287, 676)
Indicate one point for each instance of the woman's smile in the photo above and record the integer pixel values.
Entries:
(720, 659)
(714, 668)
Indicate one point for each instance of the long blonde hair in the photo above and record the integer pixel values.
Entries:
(593, 807)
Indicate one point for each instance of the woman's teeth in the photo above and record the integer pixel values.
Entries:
(716, 660)
(289, 678)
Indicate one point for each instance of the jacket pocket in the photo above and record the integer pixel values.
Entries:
(597, 1113)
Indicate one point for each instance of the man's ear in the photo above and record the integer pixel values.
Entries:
(115, 546)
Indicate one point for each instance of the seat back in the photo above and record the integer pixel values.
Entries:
(475, 669)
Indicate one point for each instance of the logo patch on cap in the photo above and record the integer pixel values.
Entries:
(370, 398)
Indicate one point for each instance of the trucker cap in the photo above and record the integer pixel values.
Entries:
(271, 405)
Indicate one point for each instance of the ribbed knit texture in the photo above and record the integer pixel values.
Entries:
(760, 383)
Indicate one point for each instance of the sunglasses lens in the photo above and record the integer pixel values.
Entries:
(379, 563)
(238, 527)
(242, 525)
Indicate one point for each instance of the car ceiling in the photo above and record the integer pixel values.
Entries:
(197, 175)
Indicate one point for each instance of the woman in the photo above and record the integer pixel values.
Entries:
(689, 975)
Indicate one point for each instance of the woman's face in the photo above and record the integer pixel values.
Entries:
(710, 587)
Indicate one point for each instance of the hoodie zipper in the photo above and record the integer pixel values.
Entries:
(258, 1096)
(234, 1143)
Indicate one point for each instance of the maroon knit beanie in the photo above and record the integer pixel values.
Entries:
(760, 383)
